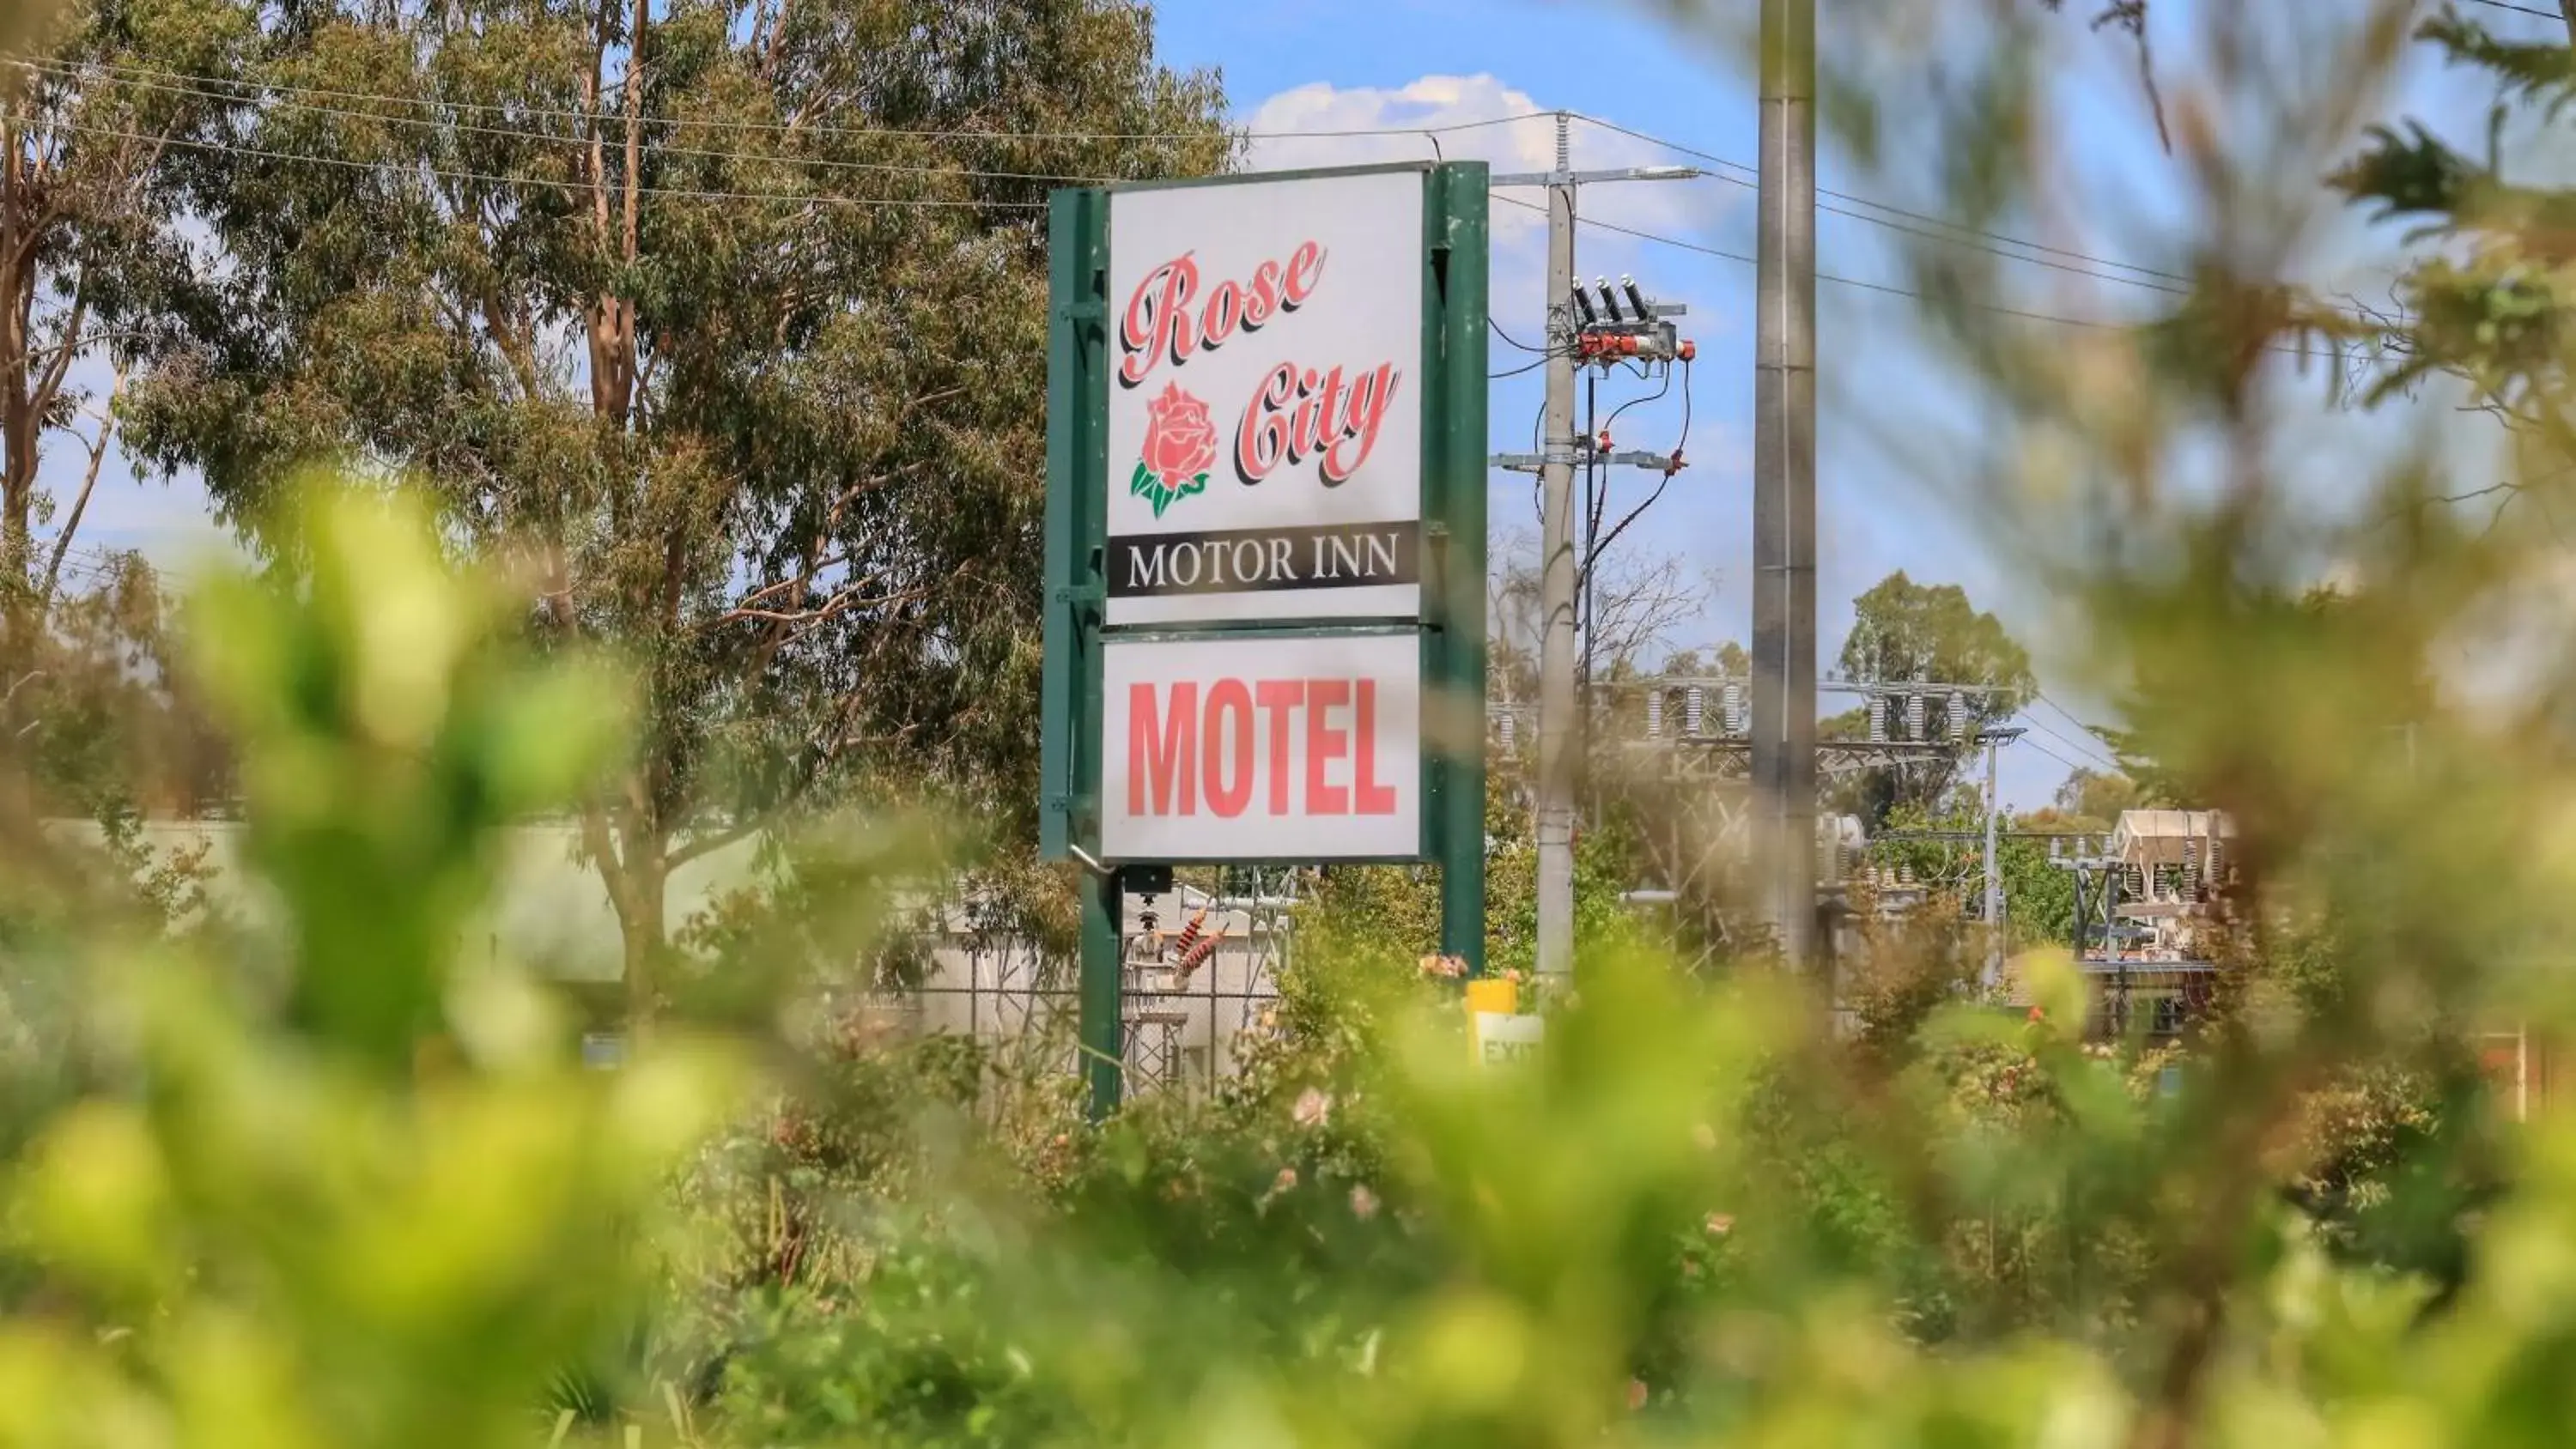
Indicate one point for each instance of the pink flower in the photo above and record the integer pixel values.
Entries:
(1180, 442)
(1286, 1181)
(1313, 1109)
(1720, 1224)
(1363, 1203)
(1636, 1395)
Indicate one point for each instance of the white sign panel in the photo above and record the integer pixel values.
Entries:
(1266, 400)
(1284, 749)
(1503, 1038)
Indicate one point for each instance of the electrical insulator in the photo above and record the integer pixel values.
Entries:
(1694, 710)
(1731, 700)
(1198, 953)
(1914, 717)
(1905, 875)
(1958, 718)
(1190, 932)
(1507, 734)
(1878, 719)
(2056, 847)
(1654, 714)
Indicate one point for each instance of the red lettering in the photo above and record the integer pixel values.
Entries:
(1265, 298)
(1280, 697)
(1264, 437)
(1305, 269)
(1309, 428)
(1157, 320)
(1224, 309)
(1163, 746)
(1324, 743)
(1364, 411)
(1370, 797)
(1227, 795)
(1157, 325)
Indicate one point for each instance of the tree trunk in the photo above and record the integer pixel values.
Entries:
(647, 884)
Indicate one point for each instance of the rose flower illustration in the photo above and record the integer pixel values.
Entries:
(1180, 447)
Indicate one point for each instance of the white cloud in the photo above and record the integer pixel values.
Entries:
(1523, 138)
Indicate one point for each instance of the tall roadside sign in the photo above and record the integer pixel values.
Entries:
(1265, 548)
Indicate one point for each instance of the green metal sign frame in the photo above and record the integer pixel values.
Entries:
(1454, 260)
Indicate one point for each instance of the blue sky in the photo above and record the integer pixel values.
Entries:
(1349, 64)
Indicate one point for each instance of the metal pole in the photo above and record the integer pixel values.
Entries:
(1556, 703)
(1461, 644)
(1784, 489)
(1994, 882)
(1102, 1033)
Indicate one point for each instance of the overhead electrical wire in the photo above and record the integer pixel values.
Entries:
(2052, 754)
(681, 193)
(2058, 735)
(1660, 484)
(2521, 9)
(1926, 217)
(791, 128)
(1508, 338)
(1722, 253)
(2087, 730)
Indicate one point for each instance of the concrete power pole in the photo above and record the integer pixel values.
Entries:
(1784, 486)
(1994, 882)
(1556, 725)
(1558, 729)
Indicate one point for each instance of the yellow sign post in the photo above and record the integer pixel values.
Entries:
(1497, 1032)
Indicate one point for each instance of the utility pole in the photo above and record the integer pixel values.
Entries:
(1784, 485)
(1994, 740)
(1994, 882)
(1556, 694)
(1557, 728)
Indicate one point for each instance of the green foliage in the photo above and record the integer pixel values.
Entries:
(331, 1188)
(1904, 631)
(325, 1179)
(661, 304)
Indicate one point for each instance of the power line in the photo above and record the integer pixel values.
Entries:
(2043, 727)
(2052, 754)
(519, 133)
(682, 193)
(1971, 242)
(1882, 287)
(1721, 252)
(2521, 9)
(1926, 217)
(1511, 340)
(782, 127)
(2070, 717)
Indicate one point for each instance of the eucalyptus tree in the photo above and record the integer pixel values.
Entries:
(721, 323)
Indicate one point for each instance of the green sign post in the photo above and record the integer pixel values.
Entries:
(1265, 539)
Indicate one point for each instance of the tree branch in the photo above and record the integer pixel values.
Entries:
(704, 845)
(80, 504)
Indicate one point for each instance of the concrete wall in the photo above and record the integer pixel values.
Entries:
(549, 910)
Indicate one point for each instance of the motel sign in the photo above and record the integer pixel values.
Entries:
(1265, 536)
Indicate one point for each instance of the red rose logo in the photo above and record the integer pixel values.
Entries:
(1180, 447)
